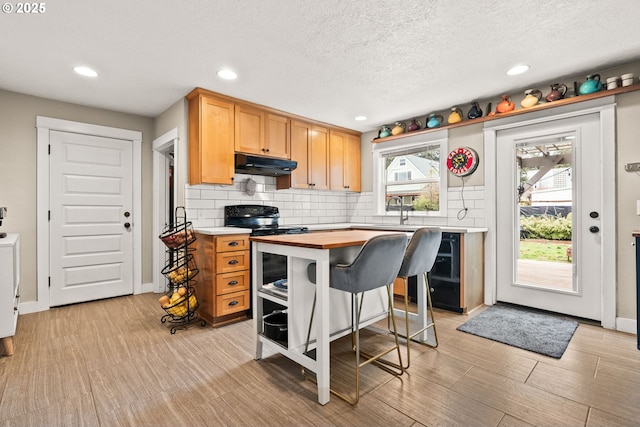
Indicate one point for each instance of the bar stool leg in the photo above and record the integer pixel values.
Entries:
(391, 367)
(410, 336)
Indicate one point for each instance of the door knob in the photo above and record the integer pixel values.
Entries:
(127, 214)
(127, 225)
(594, 214)
(594, 229)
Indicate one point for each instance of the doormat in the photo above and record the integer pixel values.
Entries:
(518, 327)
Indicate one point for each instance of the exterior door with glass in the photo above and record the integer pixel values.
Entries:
(549, 216)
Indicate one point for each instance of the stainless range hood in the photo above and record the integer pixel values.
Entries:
(269, 166)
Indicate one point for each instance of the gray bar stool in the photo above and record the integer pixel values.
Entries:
(419, 258)
(376, 265)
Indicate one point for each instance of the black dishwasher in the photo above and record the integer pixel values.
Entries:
(444, 277)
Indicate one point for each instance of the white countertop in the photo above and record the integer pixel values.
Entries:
(393, 227)
(10, 239)
(219, 231)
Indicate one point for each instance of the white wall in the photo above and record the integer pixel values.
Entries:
(18, 171)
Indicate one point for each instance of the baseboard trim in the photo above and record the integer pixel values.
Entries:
(627, 325)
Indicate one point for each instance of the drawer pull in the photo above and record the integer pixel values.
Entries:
(233, 262)
(233, 283)
(232, 303)
(234, 243)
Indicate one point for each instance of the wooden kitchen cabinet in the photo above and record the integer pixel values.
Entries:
(310, 148)
(10, 290)
(249, 130)
(211, 139)
(344, 162)
(223, 281)
(220, 126)
(277, 136)
(262, 133)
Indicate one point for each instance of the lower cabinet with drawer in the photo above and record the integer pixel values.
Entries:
(223, 282)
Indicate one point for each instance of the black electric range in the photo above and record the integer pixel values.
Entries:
(263, 220)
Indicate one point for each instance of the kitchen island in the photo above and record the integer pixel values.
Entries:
(333, 308)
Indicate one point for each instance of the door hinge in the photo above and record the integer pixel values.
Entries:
(49, 215)
(49, 281)
(49, 149)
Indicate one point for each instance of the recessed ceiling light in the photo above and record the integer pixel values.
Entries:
(518, 69)
(361, 118)
(85, 71)
(227, 74)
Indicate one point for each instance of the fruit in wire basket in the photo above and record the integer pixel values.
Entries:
(164, 300)
(178, 275)
(178, 238)
(182, 291)
(175, 298)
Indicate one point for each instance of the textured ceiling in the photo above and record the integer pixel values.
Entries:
(328, 60)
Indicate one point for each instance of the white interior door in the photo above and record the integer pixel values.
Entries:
(524, 156)
(91, 187)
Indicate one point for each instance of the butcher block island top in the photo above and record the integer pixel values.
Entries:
(323, 239)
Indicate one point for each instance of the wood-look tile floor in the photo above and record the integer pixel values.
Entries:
(112, 363)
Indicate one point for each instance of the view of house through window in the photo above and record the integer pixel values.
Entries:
(412, 179)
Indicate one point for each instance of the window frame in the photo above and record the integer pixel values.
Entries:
(404, 145)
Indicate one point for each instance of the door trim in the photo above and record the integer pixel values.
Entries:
(166, 142)
(44, 125)
(606, 109)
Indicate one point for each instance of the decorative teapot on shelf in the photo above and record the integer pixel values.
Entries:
(385, 131)
(505, 105)
(531, 98)
(474, 111)
(593, 84)
(455, 116)
(558, 91)
(434, 120)
(414, 125)
(398, 128)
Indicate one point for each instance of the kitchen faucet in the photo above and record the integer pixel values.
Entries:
(402, 217)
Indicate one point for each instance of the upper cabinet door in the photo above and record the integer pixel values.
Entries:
(337, 146)
(249, 130)
(352, 164)
(211, 138)
(319, 158)
(344, 162)
(300, 134)
(277, 141)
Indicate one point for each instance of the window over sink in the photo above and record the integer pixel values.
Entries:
(411, 175)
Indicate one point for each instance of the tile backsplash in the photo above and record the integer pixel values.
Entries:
(204, 205)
